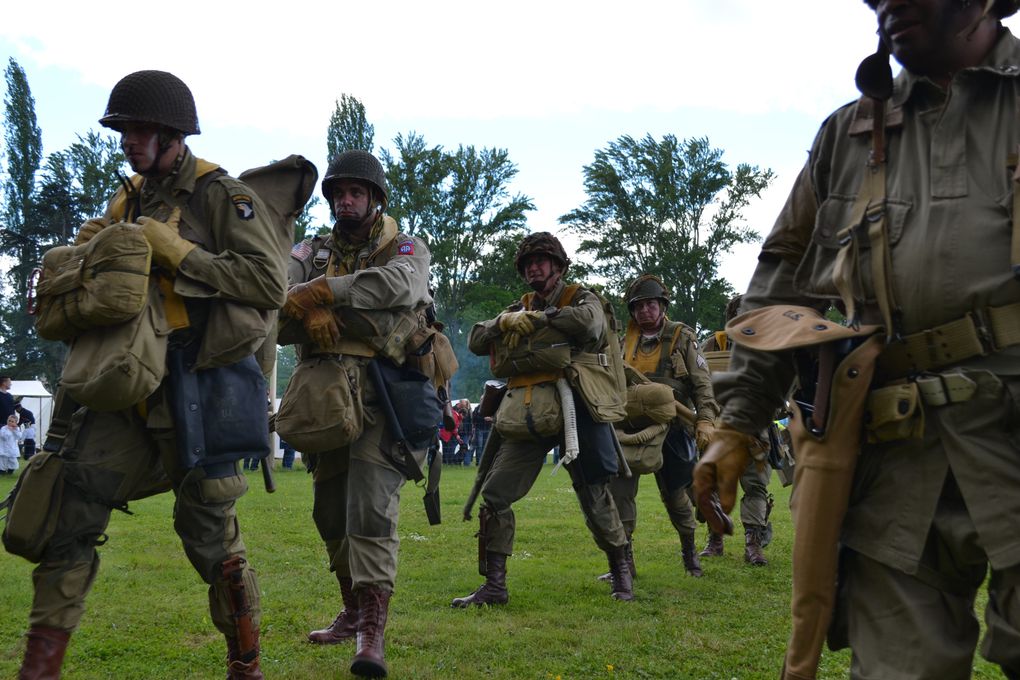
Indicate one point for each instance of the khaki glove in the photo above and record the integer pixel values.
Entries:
(704, 431)
(89, 229)
(717, 473)
(521, 323)
(322, 326)
(511, 340)
(303, 297)
(168, 248)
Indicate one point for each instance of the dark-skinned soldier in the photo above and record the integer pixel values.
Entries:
(221, 247)
(557, 321)
(666, 352)
(907, 429)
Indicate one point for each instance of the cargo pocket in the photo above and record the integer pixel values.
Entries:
(212, 491)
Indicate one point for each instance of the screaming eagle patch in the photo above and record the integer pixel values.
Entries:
(405, 247)
(244, 206)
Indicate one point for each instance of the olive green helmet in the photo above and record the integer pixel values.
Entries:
(154, 97)
(358, 165)
(646, 287)
(1000, 8)
(540, 243)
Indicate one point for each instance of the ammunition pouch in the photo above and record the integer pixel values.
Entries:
(321, 409)
(642, 449)
(650, 402)
(104, 282)
(530, 411)
(896, 411)
(219, 414)
(543, 351)
(599, 380)
(33, 506)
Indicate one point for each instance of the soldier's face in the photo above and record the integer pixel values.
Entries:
(925, 36)
(647, 314)
(351, 200)
(540, 272)
(140, 144)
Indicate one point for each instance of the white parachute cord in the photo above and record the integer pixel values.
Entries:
(570, 446)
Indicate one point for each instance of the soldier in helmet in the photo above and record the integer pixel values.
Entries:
(907, 423)
(553, 329)
(666, 351)
(365, 265)
(212, 243)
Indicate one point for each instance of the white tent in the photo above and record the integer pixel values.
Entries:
(38, 400)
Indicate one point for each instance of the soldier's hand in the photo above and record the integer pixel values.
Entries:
(89, 229)
(511, 340)
(322, 326)
(168, 248)
(717, 473)
(521, 323)
(303, 297)
(704, 432)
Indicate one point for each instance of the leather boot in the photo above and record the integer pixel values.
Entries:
(239, 667)
(493, 591)
(714, 547)
(373, 607)
(44, 653)
(752, 547)
(619, 574)
(692, 565)
(608, 576)
(345, 625)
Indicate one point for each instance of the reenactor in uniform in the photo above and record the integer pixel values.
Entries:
(756, 503)
(907, 428)
(555, 326)
(365, 265)
(230, 253)
(666, 352)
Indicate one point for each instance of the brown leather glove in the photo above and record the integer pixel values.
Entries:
(168, 248)
(303, 297)
(89, 229)
(717, 473)
(322, 326)
(704, 431)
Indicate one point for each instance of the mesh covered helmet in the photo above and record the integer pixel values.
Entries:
(646, 287)
(355, 164)
(999, 8)
(151, 97)
(733, 306)
(540, 243)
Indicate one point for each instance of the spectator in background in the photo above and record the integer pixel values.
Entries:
(25, 416)
(450, 438)
(480, 429)
(288, 455)
(28, 441)
(10, 435)
(6, 400)
(464, 453)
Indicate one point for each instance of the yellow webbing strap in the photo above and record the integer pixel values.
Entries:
(721, 340)
(529, 379)
(173, 304)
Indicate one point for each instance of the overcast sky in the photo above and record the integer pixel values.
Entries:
(549, 81)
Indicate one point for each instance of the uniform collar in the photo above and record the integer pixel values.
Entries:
(553, 298)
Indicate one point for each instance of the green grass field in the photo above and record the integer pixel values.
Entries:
(147, 614)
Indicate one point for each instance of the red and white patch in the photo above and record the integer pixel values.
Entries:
(405, 247)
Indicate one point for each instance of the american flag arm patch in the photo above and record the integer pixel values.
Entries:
(302, 250)
(405, 247)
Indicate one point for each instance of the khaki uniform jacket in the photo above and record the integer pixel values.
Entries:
(949, 192)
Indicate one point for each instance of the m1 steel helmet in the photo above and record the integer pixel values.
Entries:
(155, 97)
(646, 287)
(357, 165)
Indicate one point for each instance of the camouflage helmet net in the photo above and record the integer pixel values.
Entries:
(155, 97)
(1000, 8)
(540, 243)
(357, 165)
(647, 287)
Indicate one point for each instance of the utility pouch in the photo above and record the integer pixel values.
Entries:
(543, 351)
(650, 402)
(110, 368)
(894, 413)
(416, 405)
(492, 397)
(530, 412)
(33, 506)
(643, 449)
(219, 414)
(595, 377)
(321, 409)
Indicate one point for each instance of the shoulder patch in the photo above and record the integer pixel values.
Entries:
(701, 361)
(244, 205)
(405, 247)
(301, 251)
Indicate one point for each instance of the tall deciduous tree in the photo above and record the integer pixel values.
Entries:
(349, 128)
(670, 208)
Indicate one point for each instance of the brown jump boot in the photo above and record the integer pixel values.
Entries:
(608, 576)
(714, 547)
(373, 607)
(244, 665)
(345, 625)
(619, 574)
(692, 565)
(752, 547)
(44, 653)
(493, 591)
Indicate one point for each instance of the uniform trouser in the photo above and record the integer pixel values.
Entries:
(923, 625)
(513, 473)
(112, 458)
(754, 502)
(357, 503)
(677, 503)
